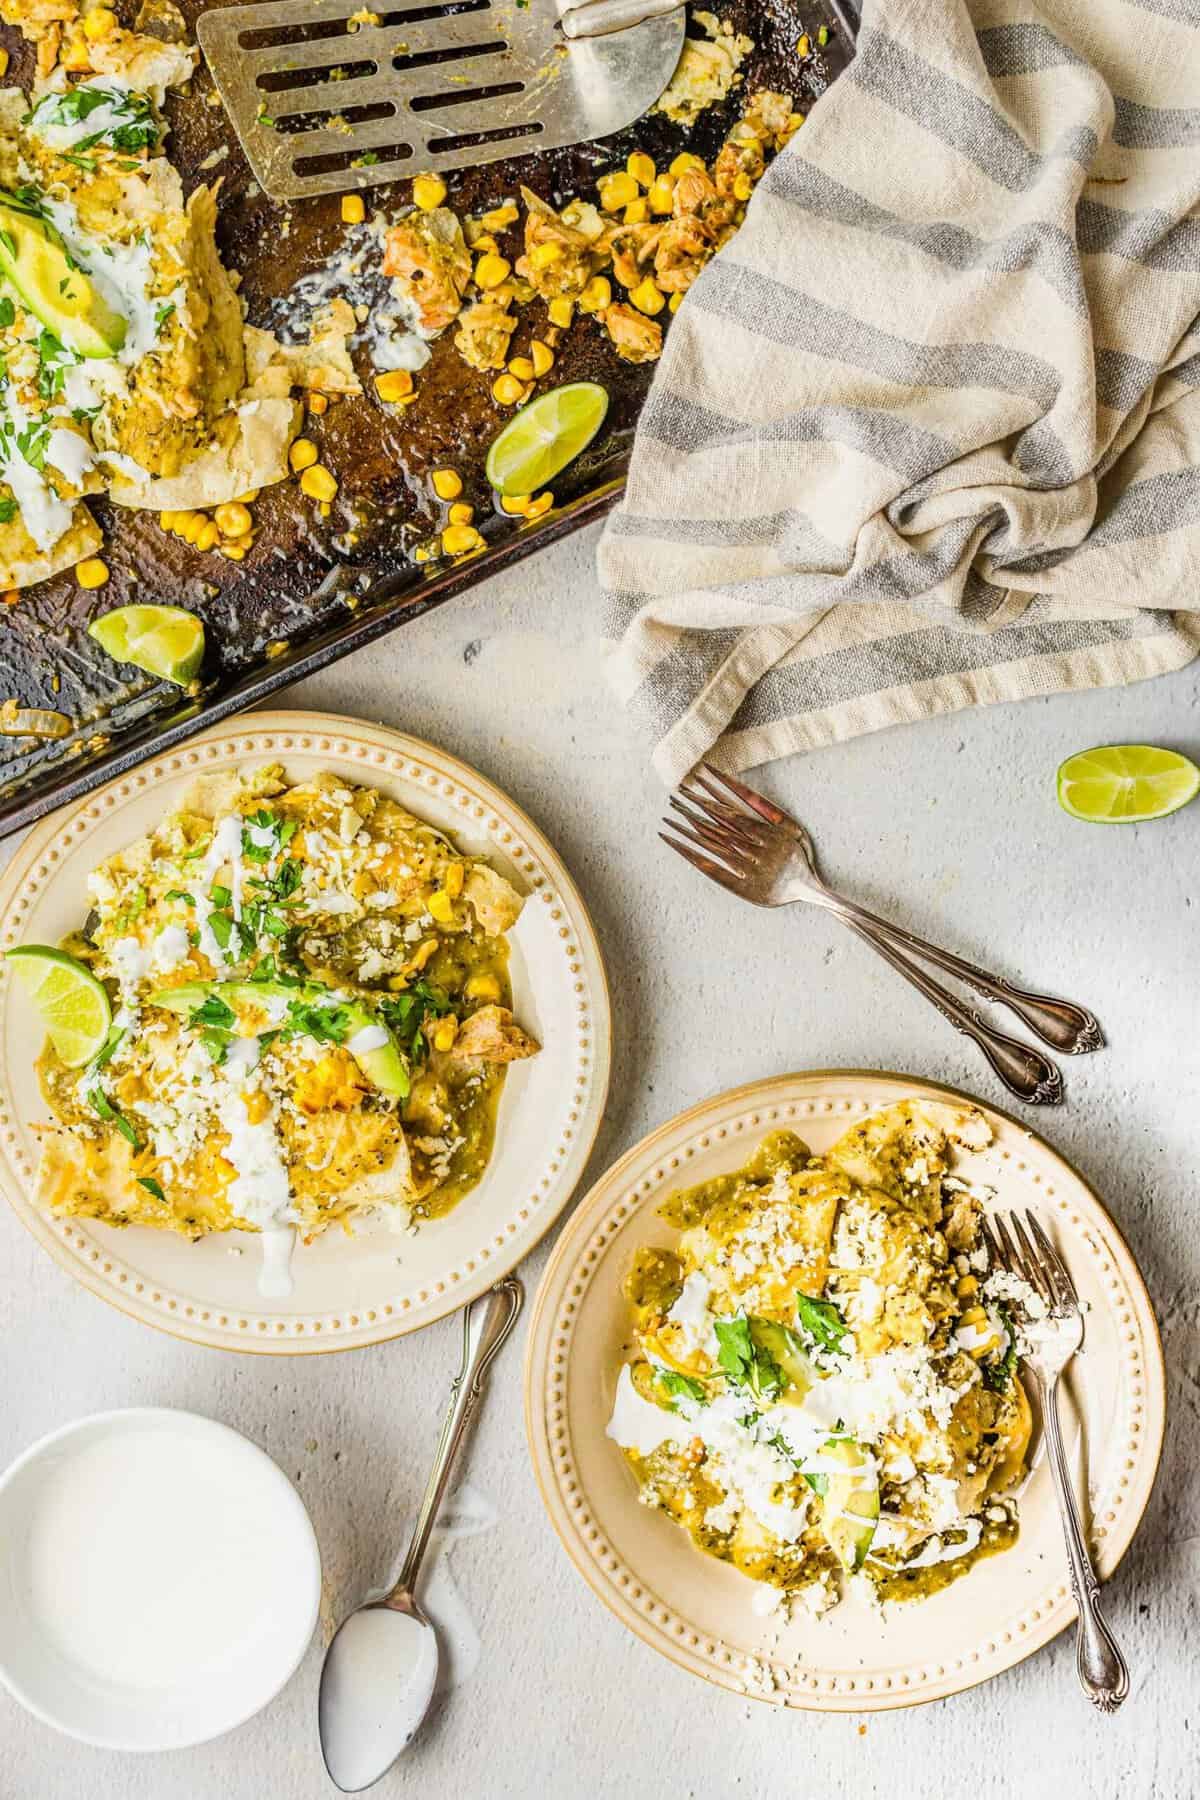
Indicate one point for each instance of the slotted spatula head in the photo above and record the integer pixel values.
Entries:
(324, 99)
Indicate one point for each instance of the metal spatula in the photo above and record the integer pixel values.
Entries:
(323, 98)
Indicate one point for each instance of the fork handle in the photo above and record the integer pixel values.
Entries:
(1102, 1670)
(1070, 1029)
(1024, 1071)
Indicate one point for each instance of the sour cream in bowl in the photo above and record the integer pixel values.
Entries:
(161, 1579)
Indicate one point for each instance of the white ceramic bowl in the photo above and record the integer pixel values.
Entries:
(161, 1579)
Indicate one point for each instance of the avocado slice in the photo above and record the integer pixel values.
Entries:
(384, 1066)
(849, 1501)
(34, 259)
(785, 1348)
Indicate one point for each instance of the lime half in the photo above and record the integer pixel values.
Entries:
(1118, 784)
(72, 1004)
(545, 436)
(164, 640)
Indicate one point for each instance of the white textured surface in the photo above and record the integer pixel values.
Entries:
(954, 825)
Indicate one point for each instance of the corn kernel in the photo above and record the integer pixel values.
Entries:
(803, 45)
(461, 514)
(167, 520)
(967, 1287)
(353, 209)
(235, 552)
(646, 297)
(596, 295)
(3, 63)
(506, 390)
(91, 572)
(500, 216)
(423, 953)
(491, 270)
(456, 541)
(483, 240)
(428, 191)
(318, 483)
(560, 311)
(193, 524)
(447, 483)
(394, 385)
(302, 455)
(516, 505)
(247, 499)
(207, 536)
(743, 187)
(685, 161)
(317, 403)
(541, 505)
(453, 879)
(445, 1032)
(541, 356)
(522, 368)
(441, 907)
(542, 255)
(10, 596)
(482, 987)
(617, 190)
(233, 521)
(661, 198)
(637, 212)
(76, 57)
(675, 302)
(642, 168)
(99, 23)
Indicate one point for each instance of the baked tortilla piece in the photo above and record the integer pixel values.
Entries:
(311, 1017)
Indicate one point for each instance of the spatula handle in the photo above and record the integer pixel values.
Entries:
(597, 18)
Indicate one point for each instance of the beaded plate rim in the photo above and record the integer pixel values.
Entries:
(635, 1182)
(53, 847)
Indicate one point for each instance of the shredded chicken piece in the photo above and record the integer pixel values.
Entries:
(635, 338)
(578, 232)
(683, 248)
(483, 334)
(427, 257)
(740, 154)
(633, 251)
(491, 1035)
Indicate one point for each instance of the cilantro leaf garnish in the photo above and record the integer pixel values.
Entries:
(152, 1187)
(746, 1364)
(100, 1103)
(821, 1322)
(678, 1387)
(998, 1371)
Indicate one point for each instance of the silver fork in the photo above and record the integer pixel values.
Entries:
(767, 857)
(1025, 1251)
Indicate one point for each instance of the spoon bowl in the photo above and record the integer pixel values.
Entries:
(376, 1687)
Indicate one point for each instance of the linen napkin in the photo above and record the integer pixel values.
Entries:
(926, 433)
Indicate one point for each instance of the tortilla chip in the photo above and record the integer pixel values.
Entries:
(496, 902)
(212, 796)
(22, 563)
(256, 457)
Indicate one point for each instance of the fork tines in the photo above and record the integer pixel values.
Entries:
(710, 826)
(1021, 1246)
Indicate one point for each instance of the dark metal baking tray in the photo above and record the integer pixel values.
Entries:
(313, 590)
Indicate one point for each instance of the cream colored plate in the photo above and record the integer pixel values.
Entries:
(377, 1284)
(698, 1611)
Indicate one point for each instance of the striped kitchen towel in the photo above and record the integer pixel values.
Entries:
(926, 433)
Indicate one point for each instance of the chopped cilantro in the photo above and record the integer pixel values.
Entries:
(8, 312)
(821, 1322)
(100, 1103)
(998, 1371)
(678, 1387)
(8, 511)
(747, 1365)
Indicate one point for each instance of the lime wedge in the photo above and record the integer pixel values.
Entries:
(545, 436)
(71, 1003)
(164, 640)
(1118, 784)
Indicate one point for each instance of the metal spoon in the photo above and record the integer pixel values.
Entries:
(381, 1668)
